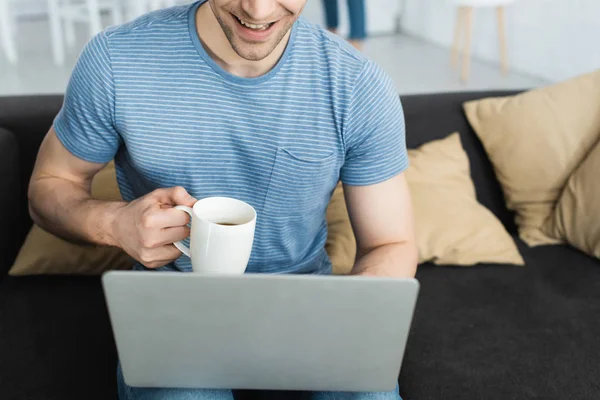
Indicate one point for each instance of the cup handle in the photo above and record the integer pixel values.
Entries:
(180, 246)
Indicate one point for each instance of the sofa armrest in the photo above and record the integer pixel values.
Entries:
(9, 200)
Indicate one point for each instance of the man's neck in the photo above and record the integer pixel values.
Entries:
(219, 49)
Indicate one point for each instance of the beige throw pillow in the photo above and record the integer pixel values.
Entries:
(535, 140)
(576, 218)
(451, 226)
(341, 244)
(44, 253)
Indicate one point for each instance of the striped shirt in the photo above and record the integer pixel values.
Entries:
(149, 96)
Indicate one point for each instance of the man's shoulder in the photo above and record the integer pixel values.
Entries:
(320, 43)
(332, 58)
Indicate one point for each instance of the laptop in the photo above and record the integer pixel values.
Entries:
(258, 331)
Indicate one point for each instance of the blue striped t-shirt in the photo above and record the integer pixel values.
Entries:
(148, 95)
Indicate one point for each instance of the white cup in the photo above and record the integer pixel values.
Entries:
(216, 248)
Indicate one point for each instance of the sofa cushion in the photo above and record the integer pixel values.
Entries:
(451, 226)
(28, 118)
(431, 117)
(341, 244)
(487, 333)
(576, 217)
(495, 333)
(9, 198)
(45, 253)
(55, 340)
(535, 141)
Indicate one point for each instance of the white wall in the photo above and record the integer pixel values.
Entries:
(382, 15)
(552, 39)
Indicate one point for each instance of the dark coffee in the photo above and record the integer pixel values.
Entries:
(226, 223)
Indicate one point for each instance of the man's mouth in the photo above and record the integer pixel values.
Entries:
(254, 27)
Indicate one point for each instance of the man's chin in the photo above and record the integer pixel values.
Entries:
(258, 53)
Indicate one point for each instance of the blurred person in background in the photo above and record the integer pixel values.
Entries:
(358, 20)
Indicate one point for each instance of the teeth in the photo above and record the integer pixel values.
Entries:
(252, 26)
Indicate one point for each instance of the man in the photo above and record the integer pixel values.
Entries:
(235, 98)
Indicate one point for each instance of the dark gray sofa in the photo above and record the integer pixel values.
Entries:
(488, 332)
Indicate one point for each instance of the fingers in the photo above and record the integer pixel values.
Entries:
(157, 257)
(172, 235)
(159, 218)
(176, 196)
(157, 225)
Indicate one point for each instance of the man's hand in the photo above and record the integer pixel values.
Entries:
(147, 227)
(60, 202)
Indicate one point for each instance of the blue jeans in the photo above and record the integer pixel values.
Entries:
(130, 393)
(357, 13)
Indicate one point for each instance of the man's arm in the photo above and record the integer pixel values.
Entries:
(382, 220)
(60, 202)
(60, 199)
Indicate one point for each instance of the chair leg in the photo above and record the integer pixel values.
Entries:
(457, 35)
(70, 34)
(58, 49)
(69, 28)
(136, 8)
(468, 18)
(117, 12)
(94, 17)
(155, 5)
(502, 38)
(6, 32)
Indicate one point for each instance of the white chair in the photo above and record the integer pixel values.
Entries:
(140, 7)
(158, 4)
(464, 22)
(64, 14)
(7, 30)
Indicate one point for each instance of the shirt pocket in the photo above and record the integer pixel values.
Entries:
(299, 185)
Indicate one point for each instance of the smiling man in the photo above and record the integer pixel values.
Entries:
(236, 98)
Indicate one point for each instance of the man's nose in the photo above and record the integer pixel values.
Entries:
(260, 10)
